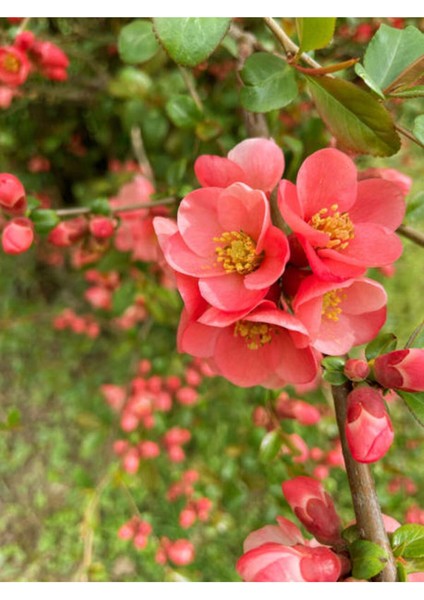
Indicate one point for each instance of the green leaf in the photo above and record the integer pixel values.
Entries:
(183, 111)
(44, 220)
(351, 533)
(415, 207)
(358, 121)
(415, 403)
(315, 32)
(269, 83)
(418, 129)
(408, 541)
(101, 206)
(334, 377)
(391, 51)
(190, 40)
(32, 203)
(333, 363)
(13, 418)
(413, 74)
(385, 342)
(360, 71)
(270, 446)
(413, 92)
(402, 573)
(137, 42)
(368, 559)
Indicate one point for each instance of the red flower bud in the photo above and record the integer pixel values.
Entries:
(12, 193)
(181, 552)
(17, 236)
(102, 227)
(313, 506)
(68, 232)
(356, 369)
(401, 369)
(369, 431)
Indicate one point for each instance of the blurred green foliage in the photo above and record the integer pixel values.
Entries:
(63, 495)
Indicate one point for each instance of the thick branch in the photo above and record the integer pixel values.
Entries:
(365, 502)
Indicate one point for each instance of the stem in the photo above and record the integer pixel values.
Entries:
(289, 46)
(414, 335)
(412, 234)
(192, 90)
(86, 210)
(140, 154)
(367, 509)
(409, 135)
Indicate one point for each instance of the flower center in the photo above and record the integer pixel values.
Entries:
(330, 304)
(237, 252)
(336, 225)
(255, 335)
(11, 63)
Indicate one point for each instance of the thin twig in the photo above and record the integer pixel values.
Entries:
(414, 335)
(289, 46)
(412, 234)
(140, 154)
(23, 25)
(86, 210)
(191, 88)
(409, 135)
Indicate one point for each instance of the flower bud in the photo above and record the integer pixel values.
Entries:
(181, 552)
(68, 232)
(102, 227)
(369, 431)
(401, 369)
(17, 236)
(313, 506)
(356, 369)
(12, 193)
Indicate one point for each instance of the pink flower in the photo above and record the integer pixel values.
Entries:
(14, 66)
(257, 162)
(52, 61)
(314, 507)
(340, 315)
(225, 239)
(68, 232)
(181, 552)
(400, 179)
(401, 369)
(6, 96)
(258, 348)
(17, 236)
(291, 408)
(278, 563)
(356, 369)
(102, 227)
(369, 431)
(344, 226)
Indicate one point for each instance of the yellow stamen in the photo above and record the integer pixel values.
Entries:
(11, 63)
(330, 304)
(337, 226)
(255, 335)
(237, 252)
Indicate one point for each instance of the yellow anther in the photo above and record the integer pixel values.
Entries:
(337, 226)
(237, 252)
(330, 304)
(11, 63)
(255, 335)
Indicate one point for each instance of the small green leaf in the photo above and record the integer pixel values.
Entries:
(13, 418)
(358, 121)
(269, 83)
(418, 129)
(137, 42)
(315, 32)
(413, 92)
(270, 446)
(183, 111)
(385, 342)
(368, 559)
(402, 573)
(333, 363)
(360, 71)
(101, 206)
(190, 40)
(408, 541)
(415, 403)
(32, 203)
(334, 377)
(351, 533)
(44, 220)
(391, 51)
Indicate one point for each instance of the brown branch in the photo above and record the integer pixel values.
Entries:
(408, 134)
(412, 234)
(86, 210)
(367, 509)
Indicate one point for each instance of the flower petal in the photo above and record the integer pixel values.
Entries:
(262, 162)
(215, 171)
(378, 201)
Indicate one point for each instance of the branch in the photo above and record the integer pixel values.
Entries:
(412, 234)
(367, 509)
(409, 135)
(290, 47)
(86, 210)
